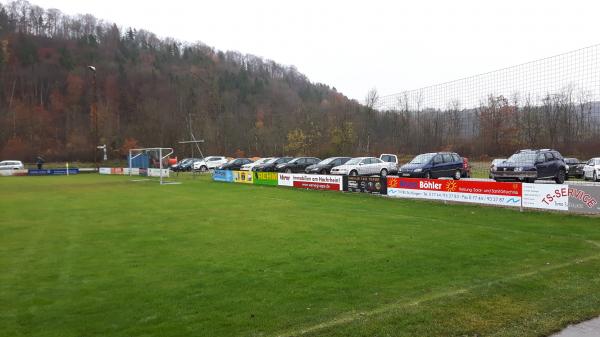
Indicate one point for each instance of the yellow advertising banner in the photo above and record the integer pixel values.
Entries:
(243, 177)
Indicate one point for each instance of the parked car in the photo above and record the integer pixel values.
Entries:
(530, 165)
(574, 168)
(363, 166)
(393, 159)
(494, 166)
(184, 165)
(11, 165)
(249, 166)
(436, 165)
(591, 170)
(325, 165)
(235, 164)
(271, 165)
(297, 165)
(209, 163)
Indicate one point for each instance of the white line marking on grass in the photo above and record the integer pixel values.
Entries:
(597, 244)
(352, 316)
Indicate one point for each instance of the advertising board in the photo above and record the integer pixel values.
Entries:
(265, 178)
(375, 185)
(104, 170)
(13, 172)
(468, 191)
(134, 171)
(312, 181)
(546, 196)
(242, 177)
(156, 172)
(584, 199)
(116, 170)
(223, 175)
(52, 172)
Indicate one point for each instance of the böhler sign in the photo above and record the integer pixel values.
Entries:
(479, 192)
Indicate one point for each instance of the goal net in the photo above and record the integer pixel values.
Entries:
(151, 163)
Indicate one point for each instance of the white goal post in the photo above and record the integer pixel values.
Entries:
(151, 162)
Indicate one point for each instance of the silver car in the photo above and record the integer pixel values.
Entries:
(11, 165)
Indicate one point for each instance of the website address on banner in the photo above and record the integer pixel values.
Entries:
(316, 186)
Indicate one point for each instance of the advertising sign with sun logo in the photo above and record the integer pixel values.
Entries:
(469, 191)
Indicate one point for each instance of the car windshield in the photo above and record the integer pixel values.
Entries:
(282, 160)
(295, 160)
(327, 161)
(353, 161)
(185, 161)
(263, 160)
(522, 157)
(422, 158)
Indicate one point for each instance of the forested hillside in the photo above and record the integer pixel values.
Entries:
(148, 91)
(154, 91)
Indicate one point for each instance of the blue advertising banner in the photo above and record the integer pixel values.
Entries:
(223, 175)
(52, 172)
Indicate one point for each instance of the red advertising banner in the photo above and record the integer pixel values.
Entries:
(471, 191)
(317, 185)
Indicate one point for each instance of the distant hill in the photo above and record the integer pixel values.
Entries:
(154, 92)
(151, 91)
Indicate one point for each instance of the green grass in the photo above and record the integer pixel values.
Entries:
(96, 255)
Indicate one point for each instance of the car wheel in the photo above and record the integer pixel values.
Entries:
(203, 168)
(560, 178)
(353, 173)
(457, 175)
(594, 177)
(323, 171)
(288, 170)
(383, 173)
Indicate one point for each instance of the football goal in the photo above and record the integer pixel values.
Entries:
(151, 163)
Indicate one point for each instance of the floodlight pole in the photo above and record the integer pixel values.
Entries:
(94, 113)
(194, 142)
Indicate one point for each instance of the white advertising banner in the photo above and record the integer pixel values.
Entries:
(546, 196)
(154, 172)
(312, 181)
(134, 171)
(104, 170)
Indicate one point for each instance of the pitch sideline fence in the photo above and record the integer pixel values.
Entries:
(548, 103)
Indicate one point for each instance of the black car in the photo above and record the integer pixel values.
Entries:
(184, 165)
(325, 166)
(234, 164)
(531, 165)
(271, 164)
(435, 165)
(574, 168)
(297, 165)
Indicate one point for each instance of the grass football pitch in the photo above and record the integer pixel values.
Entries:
(93, 255)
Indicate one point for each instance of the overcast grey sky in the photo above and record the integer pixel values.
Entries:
(357, 45)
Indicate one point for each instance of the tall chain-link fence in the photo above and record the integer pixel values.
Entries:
(549, 103)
